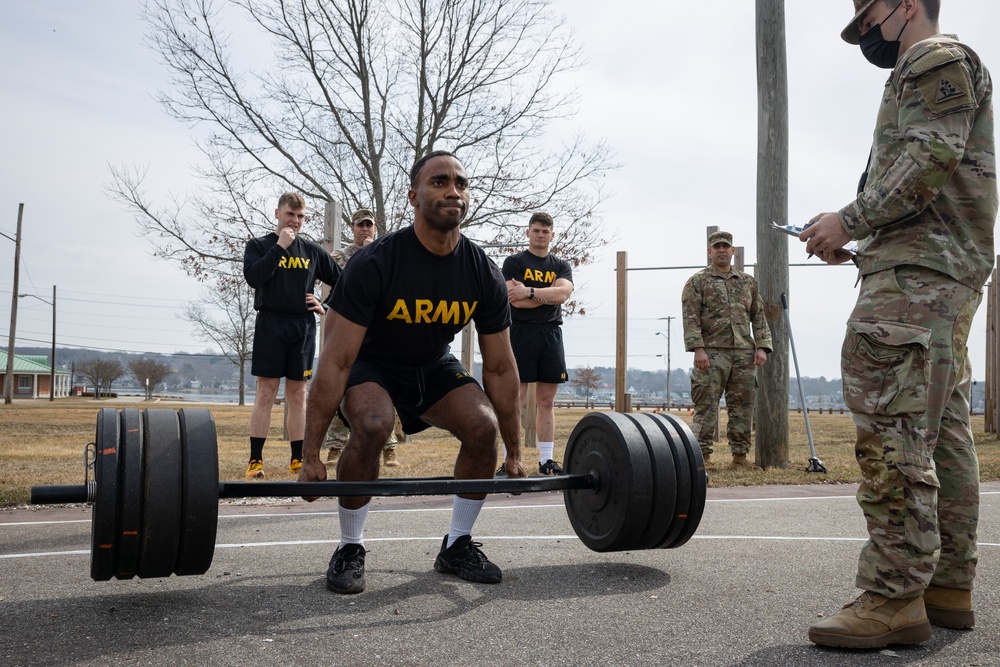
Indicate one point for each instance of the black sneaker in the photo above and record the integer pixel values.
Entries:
(466, 560)
(346, 573)
(501, 472)
(550, 467)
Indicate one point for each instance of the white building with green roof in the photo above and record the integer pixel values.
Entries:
(33, 376)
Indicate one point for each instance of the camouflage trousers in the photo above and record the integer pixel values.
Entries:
(907, 380)
(338, 433)
(730, 372)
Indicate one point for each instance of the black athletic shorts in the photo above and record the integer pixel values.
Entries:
(413, 389)
(538, 349)
(283, 346)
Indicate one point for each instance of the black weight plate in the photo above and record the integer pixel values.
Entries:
(698, 481)
(104, 516)
(129, 493)
(682, 478)
(661, 515)
(199, 491)
(161, 503)
(614, 515)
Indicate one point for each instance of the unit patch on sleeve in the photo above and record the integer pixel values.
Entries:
(947, 90)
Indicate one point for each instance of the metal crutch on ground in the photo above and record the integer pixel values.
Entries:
(815, 465)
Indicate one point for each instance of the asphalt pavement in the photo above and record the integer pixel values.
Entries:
(765, 563)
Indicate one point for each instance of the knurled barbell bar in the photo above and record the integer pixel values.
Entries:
(632, 482)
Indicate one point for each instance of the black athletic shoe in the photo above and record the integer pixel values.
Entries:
(501, 472)
(466, 560)
(346, 573)
(550, 467)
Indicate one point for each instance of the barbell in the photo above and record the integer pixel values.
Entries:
(632, 482)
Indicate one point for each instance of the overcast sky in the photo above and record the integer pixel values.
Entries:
(670, 86)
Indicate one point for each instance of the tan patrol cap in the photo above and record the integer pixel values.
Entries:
(363, 214)
(720, 237)
(852, 34)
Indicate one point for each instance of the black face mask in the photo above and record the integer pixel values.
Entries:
(877, 49)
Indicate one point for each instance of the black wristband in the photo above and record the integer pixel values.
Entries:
(532, 295)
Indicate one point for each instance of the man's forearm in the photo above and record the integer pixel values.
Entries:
(324, 398)
(551, 296)
(502, 390)
(525, 303)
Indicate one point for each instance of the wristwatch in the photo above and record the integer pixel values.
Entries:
(532, 295)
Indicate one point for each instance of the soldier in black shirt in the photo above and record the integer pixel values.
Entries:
(283, 268)
(538, 283)
(393, 314)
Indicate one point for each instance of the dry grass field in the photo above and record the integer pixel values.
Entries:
(42, 443)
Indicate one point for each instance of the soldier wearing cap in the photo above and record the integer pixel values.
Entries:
(720, 305)
(923, 219)
(364, 227)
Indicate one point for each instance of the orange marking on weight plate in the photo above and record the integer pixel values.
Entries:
(130, 532)
(109, 450)
(105, 546)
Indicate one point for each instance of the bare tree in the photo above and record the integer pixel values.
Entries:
(149, 373)
(101, 373)
(355, 91)
(225, 316)
(587, 379)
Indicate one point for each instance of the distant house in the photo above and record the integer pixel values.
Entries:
(33, 376)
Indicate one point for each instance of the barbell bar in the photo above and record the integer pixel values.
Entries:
(633, 481)
(414, 486)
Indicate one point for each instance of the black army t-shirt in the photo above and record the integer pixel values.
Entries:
(281, 277)
(537, 272)
(413, 302)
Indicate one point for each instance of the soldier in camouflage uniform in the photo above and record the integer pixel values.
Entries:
(363, 227)
(923, 219)
(720, 304)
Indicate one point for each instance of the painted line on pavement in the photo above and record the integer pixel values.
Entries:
(435, 540)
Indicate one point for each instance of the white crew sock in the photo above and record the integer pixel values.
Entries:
(352, 525)
(545, 451)
(464, 513)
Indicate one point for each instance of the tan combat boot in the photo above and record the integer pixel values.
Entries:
(708, 462)
(740, 461)
(949, 607)
(389, 457)
(874, 621)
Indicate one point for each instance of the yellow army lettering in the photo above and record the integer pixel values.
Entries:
(293, 263)
(424, 311)
(548, 277)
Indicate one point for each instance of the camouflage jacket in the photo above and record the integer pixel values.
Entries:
(341, 256)
(719, 309)
(930, 194)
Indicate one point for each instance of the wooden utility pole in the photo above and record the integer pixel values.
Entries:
(52, 380)
(469, 347)
(622, 404)
(8, 380)
(771, 410)
(332, 220)
(668, 319)
(992, 418)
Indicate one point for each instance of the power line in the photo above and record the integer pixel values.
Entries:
(202, 355)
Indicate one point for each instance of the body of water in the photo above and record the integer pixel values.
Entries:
(191, 396)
